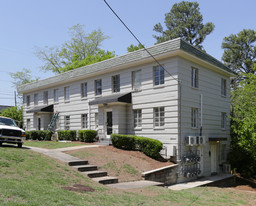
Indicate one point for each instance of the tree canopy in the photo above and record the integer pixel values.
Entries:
(132, 47)
(14, 113)
(240, 51)
(79, 50)
(184, 20)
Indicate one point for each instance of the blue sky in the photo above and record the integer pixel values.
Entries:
(29, 23)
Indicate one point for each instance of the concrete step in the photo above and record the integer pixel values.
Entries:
(79, 162)
(106, 180)
(84, 168)
(96, 173)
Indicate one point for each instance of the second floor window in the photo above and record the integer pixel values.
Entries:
(56, 95)
(28, 100)
(223, 120)
(137, 118)
(84, 121)
(45, 97)
(194, 77)
(36, 99)
(98, 87)
(158, 75)
(136, 80)
(194, 117)
(66, 93)
(116, 83)
(84, 90)
(223, 87)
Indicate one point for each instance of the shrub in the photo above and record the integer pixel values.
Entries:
(150, 147)
(87, 135)
(67, 135)
(39, 135)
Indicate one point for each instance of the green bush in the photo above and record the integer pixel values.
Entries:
(150, 147)
(39, 135)
(87, 135)
(67, 135)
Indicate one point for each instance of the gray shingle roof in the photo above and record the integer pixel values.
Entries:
(165, 47)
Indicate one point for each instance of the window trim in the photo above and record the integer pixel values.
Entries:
(66, 122)
(194, 117)
(133, 80)
(115, 81)
(36, 98)
(28, 100)
(95, 86)
(67, 93)
(223, 87)
(137, 115)
(56, 98)
(194, 77)
(84, 90)
(157, 112)
(223, 124)
(46, 97)
(161, 69)
(84, 121)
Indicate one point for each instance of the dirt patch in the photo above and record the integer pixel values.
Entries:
(124, 164)
(79, 188)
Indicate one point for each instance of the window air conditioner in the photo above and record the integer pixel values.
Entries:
(200, 140)
(191, 140)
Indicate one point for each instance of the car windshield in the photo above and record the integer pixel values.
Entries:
(8, 122)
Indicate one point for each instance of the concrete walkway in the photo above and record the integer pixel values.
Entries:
(58, 154)
(200, 182)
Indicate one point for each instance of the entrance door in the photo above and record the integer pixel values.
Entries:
(109, 124)
(213, 158)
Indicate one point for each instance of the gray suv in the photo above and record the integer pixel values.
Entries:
(10, 132)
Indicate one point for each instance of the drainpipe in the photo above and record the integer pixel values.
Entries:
(179, 136)
(89, 115)
(201, 125)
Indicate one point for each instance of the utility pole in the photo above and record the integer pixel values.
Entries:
(15, 100)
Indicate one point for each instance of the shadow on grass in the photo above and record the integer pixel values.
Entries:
(13, 146)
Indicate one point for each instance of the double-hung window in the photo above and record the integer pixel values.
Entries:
(98, 87)
(66, 122)
(116, 83)
(158, 75)
(194, 77)
(194, 117)
(66, 93)
(223, 120)
(223, 87)
(136, 80)
(84, 90)
(36, 99)
(158, 116)
(56, 95)
(45, 97)
(28, 100)
(137, 118)
(84, 121)
(28, 124)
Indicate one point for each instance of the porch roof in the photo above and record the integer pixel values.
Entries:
(125, 98)
(45, 108)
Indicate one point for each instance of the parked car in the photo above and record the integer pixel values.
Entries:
(10, 132)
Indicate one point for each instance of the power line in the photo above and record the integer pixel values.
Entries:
(138, 40)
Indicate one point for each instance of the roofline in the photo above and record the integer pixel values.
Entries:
(123, 61)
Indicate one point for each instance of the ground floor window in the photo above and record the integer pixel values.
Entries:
(96, 121)
(84, 121)
(194, 117)
(28, 124)
(137, 118)
(66, 122)
(158, 116)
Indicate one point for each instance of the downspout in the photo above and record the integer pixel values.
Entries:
(89, 115)
(179, 136)
(201, 118)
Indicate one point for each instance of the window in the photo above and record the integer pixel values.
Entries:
(223, 87)
(45, 97)
(66, 122)
(136, 80)
(194, 117)
(137, 118)
(28, 100)
(84, 90)
(96, 120)
(116, 83)
(98, 87)
(66, 93)
(35, 99)
(159, 116)
(56, 95)
(194, 77)
(158, 75)
(84, 121)
(223, 152)
(223, 120)
(28, 124)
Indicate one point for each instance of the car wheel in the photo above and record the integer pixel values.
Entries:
(1, 144)
(19, 145)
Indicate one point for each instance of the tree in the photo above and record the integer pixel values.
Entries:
(80, 47)
(185, 21)
(243, 138)
(240, 51)
(14, 113)
(132, 47)
(22, 77)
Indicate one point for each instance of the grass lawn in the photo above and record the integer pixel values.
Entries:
(51, 144)
(29, 178)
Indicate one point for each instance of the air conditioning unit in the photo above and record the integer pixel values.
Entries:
(226, 168)
(191, 140)
(200, 140)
